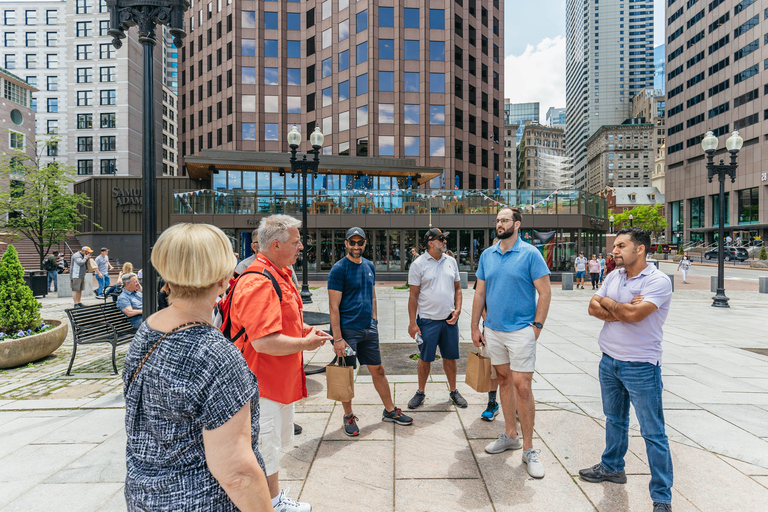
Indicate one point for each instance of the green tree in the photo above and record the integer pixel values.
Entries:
(19, 310)
(647, 217)
(38, 204)
(763, 253)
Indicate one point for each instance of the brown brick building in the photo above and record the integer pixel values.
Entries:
(383, 78)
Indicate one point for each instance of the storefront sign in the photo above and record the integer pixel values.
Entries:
(128, 200)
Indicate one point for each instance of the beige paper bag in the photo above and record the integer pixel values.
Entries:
(478, 372)
(340, 381)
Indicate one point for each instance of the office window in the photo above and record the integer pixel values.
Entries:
(386, 49)
(10, 39)
(51, 61)
(437, 51)
(411, 146)
(84, 51)
(109, 165)
(270, 48)
(327, 38)
(270, 76)
(52, 127)
(437, 19)
(311, 74)
(84, 98)
(31, 61)
(107, 74)
(271, 104)
(327, 67)
(437, 82)
(248, 47)
(31, 17)
(248, 76)
(362, 115)
(411, 17)
(343, 121)
(249, 19)
(437, 146)
(437, 114)
(411, 82)
(85, 121)
(293, 76)
(271, 131)
(249, 131)
(293, 20)
(386, 145)
(84, 167)
(326, 9)
(344, 60)
(327, 96)
(386, 113)
(83, 6)
(344, 90)
(108, 120)
(293, 49)
(386, 16)
(412, 114)
(84, 144)
(51, 17)
(361, 21)
(108, 97)
(311, 102)
(248, 102)
(10, 17)
(386, 81)
(107, 51)
(32, 80)
(84, 29)
(361, 53)
(270, 21)
(361, 85)
(104, 27)
(411, 49)
(31, 39)
(294, 104)
(108, 143)
(344, 30)
(53, 104)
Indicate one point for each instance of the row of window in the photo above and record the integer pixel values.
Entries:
(106, 74)
(51, 61)
(30, 39)
(748, 202)
(107, 143)
(107, 166)
(85, 28)
(106, 97)
(106, 51)
(107, 120)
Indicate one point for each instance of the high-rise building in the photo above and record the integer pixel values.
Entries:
(620, 156)
(170, 60)
(422, 82)
(542, 163)
(609, 58)
(510, 156)
(659, 60)
(170, 133)
(556, 117)
(716, 81)
(648, 106)
(518, 114)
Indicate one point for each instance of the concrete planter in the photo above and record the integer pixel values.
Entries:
(21, 351)
(758, 264)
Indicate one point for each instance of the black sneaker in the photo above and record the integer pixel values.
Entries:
(417, 400)
(397, 416)
(662, 507)
(297, 429)
(79, 305)
(457, 399)
(350, 425)
(598, 473)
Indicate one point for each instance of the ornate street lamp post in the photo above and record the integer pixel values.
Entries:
(304, 166)
(146, 14)
(631, 220)
(721, 170)
(610, 219)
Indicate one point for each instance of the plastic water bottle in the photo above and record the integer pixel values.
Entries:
(349, 352)
(419, 339)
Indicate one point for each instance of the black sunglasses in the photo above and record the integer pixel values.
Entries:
(356, 242)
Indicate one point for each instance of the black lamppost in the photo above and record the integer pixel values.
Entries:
(610, 219)
(304, 166)
(631, 219)
(146, 14)
(721, 170)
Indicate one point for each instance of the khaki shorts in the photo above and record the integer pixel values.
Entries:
(515, 348)
(275, 432)
(78, 284)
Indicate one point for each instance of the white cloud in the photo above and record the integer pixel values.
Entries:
(537, 75)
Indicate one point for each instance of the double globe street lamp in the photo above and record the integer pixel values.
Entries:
(304, 166)
(721, 170)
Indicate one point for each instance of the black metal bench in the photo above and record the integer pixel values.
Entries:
(103, 323)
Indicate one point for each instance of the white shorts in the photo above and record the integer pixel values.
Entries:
(275, 432)
(515, 348)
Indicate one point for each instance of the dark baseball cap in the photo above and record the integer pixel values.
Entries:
(356, 232)
(433, 234)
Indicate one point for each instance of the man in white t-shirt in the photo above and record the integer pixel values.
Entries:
(580, 267)
(434, 307)
(634, 302)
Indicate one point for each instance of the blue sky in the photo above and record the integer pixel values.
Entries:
(534, 48)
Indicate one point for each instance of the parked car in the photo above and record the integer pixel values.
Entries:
(730, 253)
(664, 248)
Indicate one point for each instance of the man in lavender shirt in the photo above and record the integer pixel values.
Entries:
(634, 303)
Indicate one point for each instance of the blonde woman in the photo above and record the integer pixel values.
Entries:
(192, 404)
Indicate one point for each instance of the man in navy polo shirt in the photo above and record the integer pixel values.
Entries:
(352, 305)
(508, 277)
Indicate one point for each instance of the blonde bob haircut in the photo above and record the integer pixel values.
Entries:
(192, 258)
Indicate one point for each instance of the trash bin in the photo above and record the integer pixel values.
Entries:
(37, 280)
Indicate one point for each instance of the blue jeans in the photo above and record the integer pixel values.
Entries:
(103, 283)
(622, 382)
(53, 277)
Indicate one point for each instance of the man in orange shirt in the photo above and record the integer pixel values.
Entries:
(274, 341)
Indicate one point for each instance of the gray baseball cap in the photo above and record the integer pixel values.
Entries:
(356, 232)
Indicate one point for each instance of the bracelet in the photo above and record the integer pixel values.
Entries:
(338, 339)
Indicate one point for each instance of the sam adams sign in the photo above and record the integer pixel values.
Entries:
(128, 199)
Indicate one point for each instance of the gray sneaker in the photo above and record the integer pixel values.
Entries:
(534, 466)
(504, 443)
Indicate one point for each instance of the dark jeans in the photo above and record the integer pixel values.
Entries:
(53, 277)
(622, 382)
(595, 278)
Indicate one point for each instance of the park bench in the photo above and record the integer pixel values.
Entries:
(102, 323)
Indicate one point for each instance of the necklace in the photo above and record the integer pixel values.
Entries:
(191, 313)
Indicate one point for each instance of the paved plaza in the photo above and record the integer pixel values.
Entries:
(62, 439)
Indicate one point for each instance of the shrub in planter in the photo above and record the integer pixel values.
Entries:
(763, 253)
(19, 310)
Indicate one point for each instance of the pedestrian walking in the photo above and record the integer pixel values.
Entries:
(354, 324)
(594, 271)
(434, 306)
(580, 267)
(102, 272)
(77, 274)
(191, 403)
(684, 266)
(51, 266)
(633, 303)
(610, 264)
(512, 268)
(602, 267)
(275, 337)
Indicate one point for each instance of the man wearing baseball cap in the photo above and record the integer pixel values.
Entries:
(352, 304)
(434, 307)
(77, 274)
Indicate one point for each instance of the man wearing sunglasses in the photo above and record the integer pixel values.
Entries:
(434, 307)
(352, 305)
(509, 275)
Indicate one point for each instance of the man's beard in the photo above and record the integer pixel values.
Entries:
(505, 234)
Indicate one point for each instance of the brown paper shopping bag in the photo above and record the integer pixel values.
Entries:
(90, 266)
(478, 372)
(340, 381)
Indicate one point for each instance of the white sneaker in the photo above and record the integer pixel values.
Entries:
(534, 466)
(504, 443)
(286, 504)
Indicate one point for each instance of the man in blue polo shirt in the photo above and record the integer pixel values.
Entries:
(130, 300)
(508, 277)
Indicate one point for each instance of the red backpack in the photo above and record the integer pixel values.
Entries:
(222, 311)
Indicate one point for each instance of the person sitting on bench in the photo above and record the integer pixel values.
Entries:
(130, 301)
